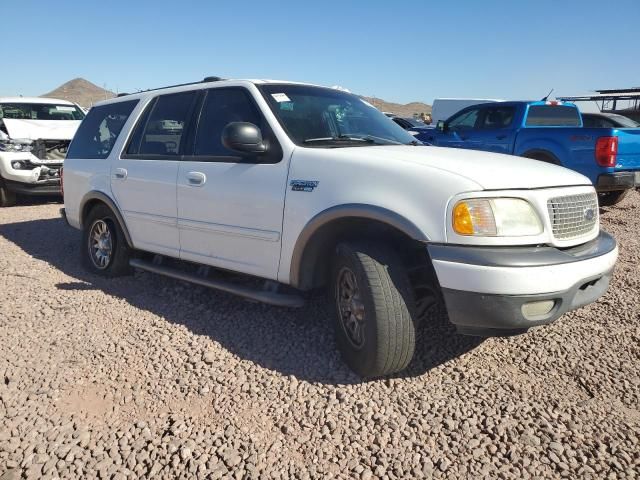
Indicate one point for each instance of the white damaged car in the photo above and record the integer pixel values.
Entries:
(34, 136)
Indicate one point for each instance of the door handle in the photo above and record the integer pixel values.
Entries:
(120, 173)
(464, 138)
(196, 179)
(501, 137)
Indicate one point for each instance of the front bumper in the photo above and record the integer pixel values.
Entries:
(609, 182)
(41, 187)
(485, 288)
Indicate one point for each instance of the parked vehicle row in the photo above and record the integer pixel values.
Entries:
(551, 132)
(34, 136)
(295, 187)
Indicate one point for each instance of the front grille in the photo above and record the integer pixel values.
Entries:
(573, 216)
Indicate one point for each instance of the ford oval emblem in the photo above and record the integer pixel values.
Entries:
(589, 214)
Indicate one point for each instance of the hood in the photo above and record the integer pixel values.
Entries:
(492, 171)
(44, 129)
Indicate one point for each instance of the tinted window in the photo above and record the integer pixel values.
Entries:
(100, 129)
(221, 107)
(319, 117)
(40, 111)
(163, 126)
(464, 120)
(497, 117)
(552, 116)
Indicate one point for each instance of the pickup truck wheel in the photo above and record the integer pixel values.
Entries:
(7, 197)
(374, 303)
(104, 248)
(609, 199)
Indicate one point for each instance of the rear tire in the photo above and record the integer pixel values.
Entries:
(104, 248)
(7, 197)
(374, 309)
(609, 199)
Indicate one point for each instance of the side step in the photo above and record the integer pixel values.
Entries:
(270, 297)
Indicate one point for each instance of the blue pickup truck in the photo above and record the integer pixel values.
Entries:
(549, 131)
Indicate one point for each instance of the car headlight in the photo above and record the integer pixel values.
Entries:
(22, 165)
(495, 217)
(13, 146)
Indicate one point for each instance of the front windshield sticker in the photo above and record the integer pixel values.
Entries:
(65, 109)
(280, 97)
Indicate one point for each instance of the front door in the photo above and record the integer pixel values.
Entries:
(144, 178)
(459, 129)
(230, 207)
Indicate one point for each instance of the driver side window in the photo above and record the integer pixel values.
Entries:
(465, 120)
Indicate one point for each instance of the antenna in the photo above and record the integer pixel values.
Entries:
(547, 97)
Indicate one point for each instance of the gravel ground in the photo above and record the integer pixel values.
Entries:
(147, 377)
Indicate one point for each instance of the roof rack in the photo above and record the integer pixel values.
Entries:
(204, 80)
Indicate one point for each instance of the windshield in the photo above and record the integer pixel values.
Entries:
(40, 111)
(327, 118)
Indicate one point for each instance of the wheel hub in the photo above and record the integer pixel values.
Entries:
(100, 245)
(351, 307)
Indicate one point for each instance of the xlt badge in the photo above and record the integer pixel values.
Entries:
(303, 185)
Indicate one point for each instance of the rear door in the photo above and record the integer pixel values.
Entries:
(230, 207)
(143, 180)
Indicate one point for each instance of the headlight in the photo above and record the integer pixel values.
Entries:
(491, 217)
(12, 146)
(22, 165)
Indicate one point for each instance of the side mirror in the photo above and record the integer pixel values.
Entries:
(243, 137)
(441, 126)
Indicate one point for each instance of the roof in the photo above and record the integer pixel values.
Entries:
(198, 86)
(34, 100)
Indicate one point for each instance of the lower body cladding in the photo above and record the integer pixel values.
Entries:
(491, 291)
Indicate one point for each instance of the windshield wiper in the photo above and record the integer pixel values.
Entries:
(369, 139)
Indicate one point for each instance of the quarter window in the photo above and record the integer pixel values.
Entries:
(99, 130)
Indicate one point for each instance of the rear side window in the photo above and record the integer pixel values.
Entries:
(552, 116)
(497, 117)
(99, 130)
(160, 132)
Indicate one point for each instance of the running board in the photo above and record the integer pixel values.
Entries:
(270, 297)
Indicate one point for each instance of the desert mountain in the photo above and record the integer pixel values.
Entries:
(408, 110)
(85, 93)
(80, 91)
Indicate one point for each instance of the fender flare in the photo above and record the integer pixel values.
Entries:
(353, 210)
(543, 153)
(102, 197)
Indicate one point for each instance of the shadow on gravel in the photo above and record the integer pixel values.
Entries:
(293, 342)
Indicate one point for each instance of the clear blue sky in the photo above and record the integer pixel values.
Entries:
(400, 51)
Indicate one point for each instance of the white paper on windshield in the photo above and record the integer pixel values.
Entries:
(65, 109)
(280, 97)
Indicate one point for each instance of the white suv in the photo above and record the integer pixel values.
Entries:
(34, 136)
(305, 187)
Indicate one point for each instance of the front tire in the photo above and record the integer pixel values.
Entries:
(374, 309)
(104, 248)
(7, 197)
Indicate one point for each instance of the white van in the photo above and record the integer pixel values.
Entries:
(443, 108)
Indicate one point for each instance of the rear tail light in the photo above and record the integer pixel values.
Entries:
(62, 180)
(607, 151)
